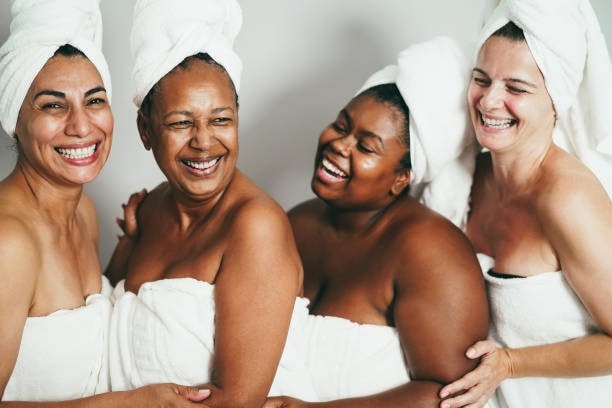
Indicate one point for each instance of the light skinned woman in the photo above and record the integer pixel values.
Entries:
(54, 303)
(541, 221)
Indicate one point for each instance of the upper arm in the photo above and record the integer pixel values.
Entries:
(577, 220)
(441, 307)
(255, 292)
(18, 270)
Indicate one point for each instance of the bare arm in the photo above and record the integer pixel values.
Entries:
(255, 293)
(577, 219)
(440, 309)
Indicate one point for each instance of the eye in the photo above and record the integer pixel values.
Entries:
(181, 124)
(52, 106)
(222, 121)
(339, 127)
(96, 101)
(481, 81)
(363, 147)
(515, 90)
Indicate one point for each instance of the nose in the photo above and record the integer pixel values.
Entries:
(201, 137)
(492, 97)
(342, 145)
(78, 123)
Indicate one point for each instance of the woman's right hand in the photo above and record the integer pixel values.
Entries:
(129, 222)
(167, 395)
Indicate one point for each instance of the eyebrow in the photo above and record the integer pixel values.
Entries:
(364, 133)
(189, 113)
(62, 95)
(515, 80)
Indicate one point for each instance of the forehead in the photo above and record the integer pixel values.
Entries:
(197, 81)
(64, 73)
(368, 112)
(504, 57)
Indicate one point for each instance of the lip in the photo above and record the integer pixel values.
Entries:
(204, 171)
(323, 174)
(78, 148)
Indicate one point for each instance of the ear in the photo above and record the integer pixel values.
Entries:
(402, 180)
(143, 129)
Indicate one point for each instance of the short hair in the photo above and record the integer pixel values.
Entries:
(145, 106)
(390, 95)
(510, 31)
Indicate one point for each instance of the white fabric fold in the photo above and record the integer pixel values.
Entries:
(64, 355)
(566, 42)
(38, 28)
(535, 310)
(166, 333)
(165, 32)
(432, 77)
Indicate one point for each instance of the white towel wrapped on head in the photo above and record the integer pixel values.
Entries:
(567, 44)
(164, 33)
(432, 77)
(38, 29)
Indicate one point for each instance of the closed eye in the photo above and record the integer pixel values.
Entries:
(181, 124)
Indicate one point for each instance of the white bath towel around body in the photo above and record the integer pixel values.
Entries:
(536, 310)
(166, 333)
(64, 355)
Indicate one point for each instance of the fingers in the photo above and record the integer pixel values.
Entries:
(480, 348)
(191, 393)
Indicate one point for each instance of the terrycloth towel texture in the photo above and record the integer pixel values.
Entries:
(541, 309)
(38, 29)
(348, 359)
(64, 355)
(567, 44)
(166, 333)
(165, 32)
(432, 77)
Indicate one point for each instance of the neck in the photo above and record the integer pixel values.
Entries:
(515, 171)
(352, 221)
(57, 203)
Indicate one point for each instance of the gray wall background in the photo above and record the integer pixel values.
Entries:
(303, 60)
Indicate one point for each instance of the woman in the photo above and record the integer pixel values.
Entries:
(212, 272)
(385, 274)
(527, 195)
(54, 304)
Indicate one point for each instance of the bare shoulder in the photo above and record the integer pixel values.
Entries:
(253, 211)
(569, 191)
(431, 249)
(19, 253)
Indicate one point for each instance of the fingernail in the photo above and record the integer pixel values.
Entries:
(445, 405)
(443, 394)
(471, 352)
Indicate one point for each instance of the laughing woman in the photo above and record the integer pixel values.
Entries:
(394, 287)
(540, 218)
(54, 303)
(211, 272)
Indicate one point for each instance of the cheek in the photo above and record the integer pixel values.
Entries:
(104, 121)
(43, 129)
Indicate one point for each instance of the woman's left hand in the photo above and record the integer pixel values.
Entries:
(284, 402)
(480, 383)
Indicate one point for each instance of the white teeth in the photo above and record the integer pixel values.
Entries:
(201, 165)
(327, 165)
(79, 153)
(498, 124)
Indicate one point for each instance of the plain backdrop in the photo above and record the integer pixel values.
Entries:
(303, 60)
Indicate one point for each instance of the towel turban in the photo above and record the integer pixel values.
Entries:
(569, 48)
(432, 78)
(165, 32)
(38, 28)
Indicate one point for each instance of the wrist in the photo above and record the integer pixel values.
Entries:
(509, 363)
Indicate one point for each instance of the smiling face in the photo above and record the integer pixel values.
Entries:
(509, 104)
(192, 129)
(65, 123)
(357, 165)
